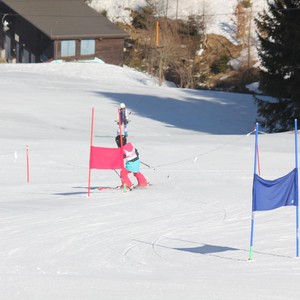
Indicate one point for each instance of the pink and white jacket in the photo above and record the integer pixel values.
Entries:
(132, 162)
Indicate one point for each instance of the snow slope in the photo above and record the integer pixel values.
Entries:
(185, 237)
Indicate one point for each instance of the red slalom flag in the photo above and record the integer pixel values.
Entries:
(106, 158)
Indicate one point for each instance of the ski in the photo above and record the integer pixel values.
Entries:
(104, 188)
(122, 120)
(134, 187)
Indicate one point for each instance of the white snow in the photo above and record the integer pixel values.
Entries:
(185, 237)
(254, 87)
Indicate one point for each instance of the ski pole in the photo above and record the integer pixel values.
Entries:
(117, 173)
(145, 164)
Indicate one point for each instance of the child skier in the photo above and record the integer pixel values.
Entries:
(122, 119)
(132, 163)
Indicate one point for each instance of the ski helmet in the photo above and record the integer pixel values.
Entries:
(118, 140)
(122, 105)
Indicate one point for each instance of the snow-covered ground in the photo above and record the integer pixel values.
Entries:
(185, 237)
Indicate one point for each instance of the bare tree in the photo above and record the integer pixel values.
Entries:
(176, 51)
(243, 14)
(168, 47)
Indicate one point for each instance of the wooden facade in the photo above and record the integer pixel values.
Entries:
(109, 50)
(35, 31)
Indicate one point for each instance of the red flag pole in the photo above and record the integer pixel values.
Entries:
(258, 161)
(27, 163)
(257, 152)
(91, 144)
(157, 34)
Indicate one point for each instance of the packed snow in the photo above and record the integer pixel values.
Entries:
(184, 237)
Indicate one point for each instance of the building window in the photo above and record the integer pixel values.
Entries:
(32, 58)
(87, 47)
(18, 59)
(7, 47)
(25, 56)
(68, 48)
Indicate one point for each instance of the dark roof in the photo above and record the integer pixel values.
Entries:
(65, 19)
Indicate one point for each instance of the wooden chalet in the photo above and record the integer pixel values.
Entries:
(33, 31)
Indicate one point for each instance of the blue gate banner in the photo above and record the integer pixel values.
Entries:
(271, 194)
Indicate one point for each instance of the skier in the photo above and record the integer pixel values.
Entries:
(132, 163)
(122, 119)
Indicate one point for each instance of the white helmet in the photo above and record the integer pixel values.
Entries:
(122, 105)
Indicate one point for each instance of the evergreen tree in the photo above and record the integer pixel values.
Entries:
(279, 51)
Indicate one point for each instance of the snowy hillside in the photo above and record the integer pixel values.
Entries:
(219, 13)
(185, 237)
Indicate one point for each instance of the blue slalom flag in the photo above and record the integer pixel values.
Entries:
(271, 194)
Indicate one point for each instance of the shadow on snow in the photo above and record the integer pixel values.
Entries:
(209, 112)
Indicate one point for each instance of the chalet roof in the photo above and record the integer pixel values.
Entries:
(65, 19)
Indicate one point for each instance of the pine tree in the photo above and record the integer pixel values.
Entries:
(279, 51)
